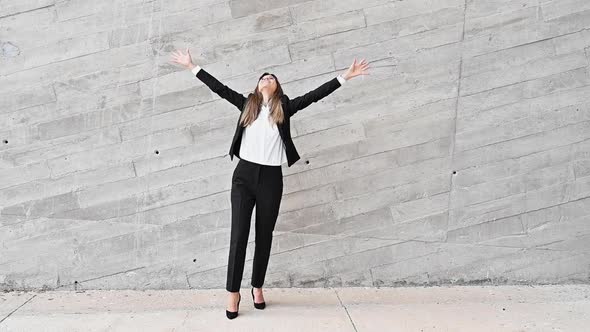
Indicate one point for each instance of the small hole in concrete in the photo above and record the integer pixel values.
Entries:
(5, 141)
(454, 172)
(157, 152)
(307, 162)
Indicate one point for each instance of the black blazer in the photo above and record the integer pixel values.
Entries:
(290, 107)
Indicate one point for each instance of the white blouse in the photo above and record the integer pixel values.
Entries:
(261, 142)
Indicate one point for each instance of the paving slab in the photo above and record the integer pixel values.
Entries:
(450, 308)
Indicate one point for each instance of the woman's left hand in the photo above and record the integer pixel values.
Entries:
(356, 69)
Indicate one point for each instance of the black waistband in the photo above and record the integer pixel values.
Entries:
(244, 161)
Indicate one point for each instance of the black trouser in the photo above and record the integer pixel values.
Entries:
(260, 185)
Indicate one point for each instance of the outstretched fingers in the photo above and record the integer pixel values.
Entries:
(181, 58)
(176, 58)
(176, 55)
(364, 71)
(364, 65)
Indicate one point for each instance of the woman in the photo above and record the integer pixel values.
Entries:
(263, 142)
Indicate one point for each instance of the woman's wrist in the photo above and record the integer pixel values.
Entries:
(191, 66)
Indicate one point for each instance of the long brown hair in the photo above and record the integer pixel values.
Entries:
(252, 107)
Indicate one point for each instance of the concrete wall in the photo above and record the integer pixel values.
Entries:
(463, 158)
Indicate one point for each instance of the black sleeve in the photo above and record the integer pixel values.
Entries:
(222, 90)
(313, 96)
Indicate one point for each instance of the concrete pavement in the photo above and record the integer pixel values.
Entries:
(457, 308)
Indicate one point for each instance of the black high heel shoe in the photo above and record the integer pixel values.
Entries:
(234, 314)
(257, 305)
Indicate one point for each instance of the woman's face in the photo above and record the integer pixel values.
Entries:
(267, 82)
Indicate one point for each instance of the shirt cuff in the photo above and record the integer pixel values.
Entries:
(196, 69)
(341, 79)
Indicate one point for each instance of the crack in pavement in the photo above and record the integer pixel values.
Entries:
(20, 306)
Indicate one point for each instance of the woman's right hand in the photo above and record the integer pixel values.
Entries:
(182, 59)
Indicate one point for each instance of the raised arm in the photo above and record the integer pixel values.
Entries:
(219, 88)
(315, 95)
(325, 89)
(237, 99)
